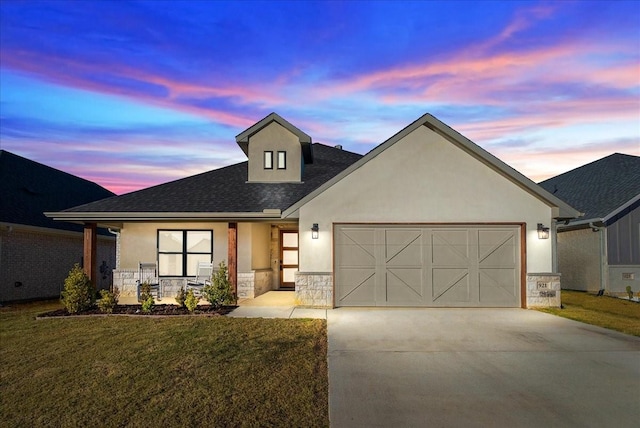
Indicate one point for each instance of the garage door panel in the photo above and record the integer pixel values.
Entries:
(385, 265)
(497, 286)
(404, 285)
(497, 247)
(450, 247)
(403, 247)
(357, 287)
(358, 248)
(450, 285)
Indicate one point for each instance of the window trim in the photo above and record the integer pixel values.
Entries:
(284, 159)
(184, 253)
(268, 156)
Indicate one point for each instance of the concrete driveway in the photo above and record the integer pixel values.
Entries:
(478, 367)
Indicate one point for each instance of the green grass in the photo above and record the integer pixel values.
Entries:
(180, 371)
(607, 312)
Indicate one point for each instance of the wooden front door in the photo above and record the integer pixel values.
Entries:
(288, 258)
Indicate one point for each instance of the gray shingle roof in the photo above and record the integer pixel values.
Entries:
(600, 187)
(226, 190)
(28, 189)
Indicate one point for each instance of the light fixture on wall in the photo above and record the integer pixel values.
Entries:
(543, 232)
(314, 231)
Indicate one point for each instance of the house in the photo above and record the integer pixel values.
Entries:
(37, 253)
(600, 251)
(427, 218)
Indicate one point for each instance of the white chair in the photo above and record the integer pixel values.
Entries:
(202, 279)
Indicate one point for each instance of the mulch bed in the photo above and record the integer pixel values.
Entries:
(157, 310)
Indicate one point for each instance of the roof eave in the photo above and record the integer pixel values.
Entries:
(268, 214)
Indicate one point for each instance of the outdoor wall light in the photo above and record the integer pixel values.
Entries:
(314, 231)
(543, 232)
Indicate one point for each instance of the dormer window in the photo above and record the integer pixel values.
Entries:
(282, 160)
(268, 160)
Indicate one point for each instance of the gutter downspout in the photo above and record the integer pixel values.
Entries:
(117, 234)
(554, 246)
(603, 256)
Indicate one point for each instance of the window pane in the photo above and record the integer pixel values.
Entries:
(170, 264)
(290, 239)
(192, 262)
(288, 274)
(170, 241)
(282, 160)
(290, 257)
(268, 160)
(198, 241)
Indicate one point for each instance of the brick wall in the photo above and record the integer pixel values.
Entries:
(35, 263)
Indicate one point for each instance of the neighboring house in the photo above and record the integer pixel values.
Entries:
(427, 218)
(37, 253)
(600, 250)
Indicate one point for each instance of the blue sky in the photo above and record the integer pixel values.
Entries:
(132, 94)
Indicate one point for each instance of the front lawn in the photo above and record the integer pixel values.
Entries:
(608, 312)
(172, 371)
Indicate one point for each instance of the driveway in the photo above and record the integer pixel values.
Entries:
(478, 367)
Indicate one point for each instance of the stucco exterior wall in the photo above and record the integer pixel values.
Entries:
(422, 178)
(34, 262)
(274, 137)
(138, 241)
(579, 259)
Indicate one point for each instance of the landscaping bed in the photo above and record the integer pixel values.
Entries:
(156, 310)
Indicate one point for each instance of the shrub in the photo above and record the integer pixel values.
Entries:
(191, 301)
(147, 303)
(78, 294)
(108, 300)
(219, 292)
(629, 292)
(180, 297)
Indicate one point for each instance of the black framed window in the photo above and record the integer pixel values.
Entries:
(268, 160)
(282, 160)
(179, 251)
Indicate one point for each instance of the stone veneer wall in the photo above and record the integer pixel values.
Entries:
(543, 290)
(314, 289)
(126, 281)
(253, 284)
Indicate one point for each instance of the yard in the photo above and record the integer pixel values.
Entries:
(173, 371)
(609, 312)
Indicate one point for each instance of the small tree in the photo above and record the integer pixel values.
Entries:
(146, 298)
(78, 294)
(219, 293)
(108, 300)
(191, 301)
(181, 296)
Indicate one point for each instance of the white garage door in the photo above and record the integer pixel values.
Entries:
(449, 266)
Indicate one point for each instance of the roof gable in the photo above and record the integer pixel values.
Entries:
(561, 209)
(305, 140)
(28, 189)
(601, 188)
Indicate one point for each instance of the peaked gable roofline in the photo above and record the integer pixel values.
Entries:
(305, 140)
(561, 210)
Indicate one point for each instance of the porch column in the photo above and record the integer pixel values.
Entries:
(233, 257)
(90, 252)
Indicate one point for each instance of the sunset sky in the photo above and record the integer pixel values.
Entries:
(132, 94)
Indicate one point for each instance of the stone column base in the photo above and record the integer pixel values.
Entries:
(543, 290)
(314, 289)
(253, 284)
